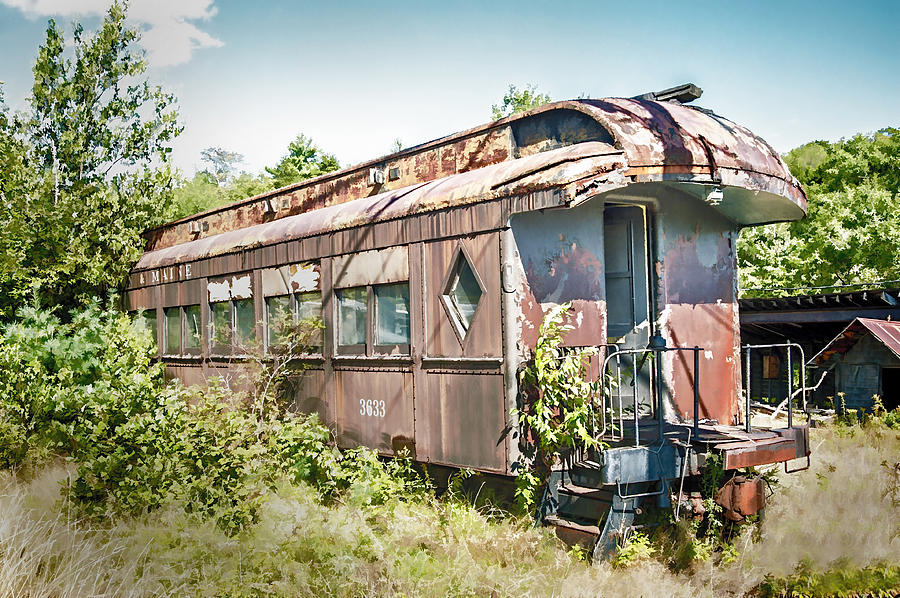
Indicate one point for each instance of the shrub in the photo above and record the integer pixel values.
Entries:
(91, 392)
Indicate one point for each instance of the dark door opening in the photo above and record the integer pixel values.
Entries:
(890, 388)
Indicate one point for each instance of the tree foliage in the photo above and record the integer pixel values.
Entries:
(518, 100)
(223, 163)
(203, 192)
(85, 167)
(304, 160)
(851, 233)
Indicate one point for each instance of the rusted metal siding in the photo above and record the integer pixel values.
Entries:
(543, 171)
(696, 267)
(375, 409)
(561, 259)
(483, 337)
(306, 391)
(466, 413)
(371, 267)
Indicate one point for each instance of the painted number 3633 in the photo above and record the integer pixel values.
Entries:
(371, 407)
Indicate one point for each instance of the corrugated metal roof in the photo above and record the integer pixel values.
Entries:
(886, 331)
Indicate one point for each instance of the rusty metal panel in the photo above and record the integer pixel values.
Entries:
(659, 139)
(478, 151)
(371, 267)
(144, 298)
(561, 257)
(375, 409)
(294, 278)
(483, 337)
(466, 416)
(171, 295)
(189, 375)
(306, 390)
(696, 263)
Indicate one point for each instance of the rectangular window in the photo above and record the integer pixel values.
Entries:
(309, 307)
(771, 366)
(392, 315)
(192, 329)
(220, 327)
(244, 324)
(146, 321)
(352, 307)
(278, 318)
(173, 331)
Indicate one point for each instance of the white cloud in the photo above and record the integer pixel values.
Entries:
(170, 34)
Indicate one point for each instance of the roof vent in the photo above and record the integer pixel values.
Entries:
(680, 94)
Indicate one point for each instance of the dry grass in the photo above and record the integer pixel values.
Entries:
(840, 513)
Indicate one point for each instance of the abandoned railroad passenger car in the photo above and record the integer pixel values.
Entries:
(432, 269)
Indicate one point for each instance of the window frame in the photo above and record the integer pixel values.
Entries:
(165, 343)
(355, 349)
(370, 348)
(185, 331)
(462, 333)
(294, 310)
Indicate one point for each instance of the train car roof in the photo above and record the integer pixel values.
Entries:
(643, 141)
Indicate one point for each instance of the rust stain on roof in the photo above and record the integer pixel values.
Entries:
(886, 331)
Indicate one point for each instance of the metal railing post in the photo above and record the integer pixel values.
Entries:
(696, 391)
(634, 381)
(747, 408)
(790, 387)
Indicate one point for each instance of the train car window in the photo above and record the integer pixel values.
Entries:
(193, 332)
(172, 342)
(220, 327)
(462, 294)
(309, 307)
(244, 323)
(352, 308)
(392, 316)
(278, 319)
(146, 321)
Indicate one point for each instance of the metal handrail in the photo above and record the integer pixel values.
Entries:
(658, 399)
(790, 379)
(612, 425)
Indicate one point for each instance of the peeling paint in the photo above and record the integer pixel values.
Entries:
(304, 277)
(219, 291)
(241, 287)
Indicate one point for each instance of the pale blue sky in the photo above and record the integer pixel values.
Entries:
(357, 75)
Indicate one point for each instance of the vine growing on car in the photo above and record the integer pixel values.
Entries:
(561, 410)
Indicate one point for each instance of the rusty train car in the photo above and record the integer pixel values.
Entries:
(433, 267)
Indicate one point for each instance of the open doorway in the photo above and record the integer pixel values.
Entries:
(890, 387)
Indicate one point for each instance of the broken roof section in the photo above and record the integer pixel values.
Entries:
(886, 331)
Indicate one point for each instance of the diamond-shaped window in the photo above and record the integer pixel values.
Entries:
(462, 293)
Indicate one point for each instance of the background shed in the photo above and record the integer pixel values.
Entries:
(865, 359)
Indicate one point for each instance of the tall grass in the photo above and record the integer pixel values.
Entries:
(841, 515)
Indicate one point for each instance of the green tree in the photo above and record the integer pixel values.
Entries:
(304, 160)
(851, 233)
(519, 100)
(223, 163)
(91, 171)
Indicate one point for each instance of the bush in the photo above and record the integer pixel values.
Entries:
(91, 392)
